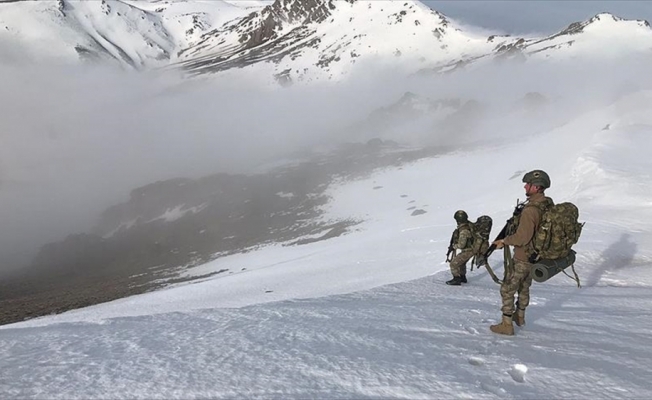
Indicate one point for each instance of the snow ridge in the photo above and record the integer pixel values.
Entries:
(293, 40)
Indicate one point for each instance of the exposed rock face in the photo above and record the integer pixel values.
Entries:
(251, 36)
(266, 25)
(298, 11)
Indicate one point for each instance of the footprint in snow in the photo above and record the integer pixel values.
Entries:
(493, 389)
(518, 372)
(471, 330)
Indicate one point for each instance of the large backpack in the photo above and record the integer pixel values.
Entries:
(558, 231)
(481, 230)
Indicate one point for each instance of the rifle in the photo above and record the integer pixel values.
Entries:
(451, 249)
(507, 229)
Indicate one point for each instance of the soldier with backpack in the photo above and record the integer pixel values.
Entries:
(472, 239)
(518, 271)
(462, 239)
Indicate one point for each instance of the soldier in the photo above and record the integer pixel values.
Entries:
(462, 240)
(519, 278)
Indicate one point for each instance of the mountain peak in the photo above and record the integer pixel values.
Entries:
(295, 40)
(323, 39)
(610, 18)
(603, 20)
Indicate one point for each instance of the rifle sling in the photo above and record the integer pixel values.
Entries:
(491, 272)
(508, 262)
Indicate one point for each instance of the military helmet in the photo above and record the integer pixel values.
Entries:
(537, 177)
(461, 216)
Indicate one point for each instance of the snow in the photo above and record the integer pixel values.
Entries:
(138, 33)
(366, 314)
(285, 195)
(416, 339)
(404, 35)
(186, 21)
(605, 36)
(173, 214)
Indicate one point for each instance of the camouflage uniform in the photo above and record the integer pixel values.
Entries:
(520, 279)
(465, 244)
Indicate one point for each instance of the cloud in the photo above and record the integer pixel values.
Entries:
(75, 139)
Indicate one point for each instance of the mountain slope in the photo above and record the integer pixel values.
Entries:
(412, 340)
(602, 36)
(136, 33)
(367, 314)
(319, 39)
(323, 39)
(292, 40)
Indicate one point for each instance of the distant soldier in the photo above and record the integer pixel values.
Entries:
(462, 239)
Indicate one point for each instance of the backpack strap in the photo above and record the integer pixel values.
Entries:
(542, 206)
(576, 278)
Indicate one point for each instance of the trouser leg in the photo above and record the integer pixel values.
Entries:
(458, 263)
(519, 281)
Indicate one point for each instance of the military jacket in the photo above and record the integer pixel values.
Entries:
(464, 237)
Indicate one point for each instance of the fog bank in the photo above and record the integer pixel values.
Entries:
(76, 139)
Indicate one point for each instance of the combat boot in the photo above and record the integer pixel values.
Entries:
(456, 281)
(519, 317)
(463, 279)
(505, 327)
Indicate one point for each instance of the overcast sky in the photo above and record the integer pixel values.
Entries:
(547, 16)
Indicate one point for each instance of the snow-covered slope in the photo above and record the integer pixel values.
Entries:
(292, 40)
(367, 314)
(138, 33)
(319, 39)
(188, 20)
(603, 36)
(316, 39)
